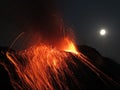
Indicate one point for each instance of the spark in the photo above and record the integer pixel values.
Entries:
(16, 39)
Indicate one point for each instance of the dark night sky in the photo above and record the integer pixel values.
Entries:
(85, 17)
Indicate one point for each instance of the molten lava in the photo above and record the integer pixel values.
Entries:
(69, 46)
(46, 67)
(43, 67)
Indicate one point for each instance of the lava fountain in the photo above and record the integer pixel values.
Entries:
(43, 66)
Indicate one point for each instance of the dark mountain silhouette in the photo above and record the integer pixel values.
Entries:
(87, 79)
(106, 64)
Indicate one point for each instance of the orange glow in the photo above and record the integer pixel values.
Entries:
(45, 65)
(69, 46)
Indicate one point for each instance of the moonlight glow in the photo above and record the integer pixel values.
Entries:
(102, 32)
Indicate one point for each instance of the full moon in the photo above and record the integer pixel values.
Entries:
(102, 32)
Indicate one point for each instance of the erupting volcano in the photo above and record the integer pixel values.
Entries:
(51, 60)
(43, 66)
(46, 67)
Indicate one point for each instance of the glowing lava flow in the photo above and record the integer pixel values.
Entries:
(42, 67)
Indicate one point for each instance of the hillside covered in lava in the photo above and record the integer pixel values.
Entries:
(96, 72)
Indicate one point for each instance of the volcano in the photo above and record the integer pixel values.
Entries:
(45, 57)
(65, 71)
